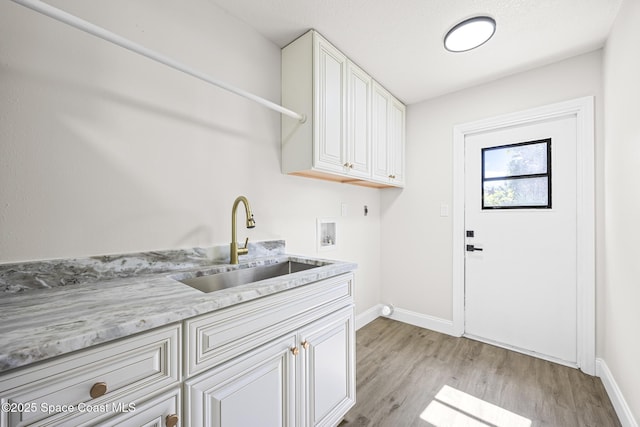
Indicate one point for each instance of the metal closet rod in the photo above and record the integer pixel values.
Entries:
(107, 35)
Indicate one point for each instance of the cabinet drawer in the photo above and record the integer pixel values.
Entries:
(154, 413)
(58, 392)
(214, 338)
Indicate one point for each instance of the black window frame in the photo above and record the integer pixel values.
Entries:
(514, 177)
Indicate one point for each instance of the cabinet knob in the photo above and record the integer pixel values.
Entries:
(305, 344)
(346, 165)
(97, 390)
(171, 420)
(295, 351)
(392, 176)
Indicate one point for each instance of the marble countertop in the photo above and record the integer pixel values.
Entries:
(38, 324)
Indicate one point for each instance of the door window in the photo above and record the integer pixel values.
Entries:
(517, 176)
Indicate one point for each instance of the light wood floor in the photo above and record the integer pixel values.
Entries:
(401, 368)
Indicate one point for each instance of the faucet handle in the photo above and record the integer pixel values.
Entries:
(243, 251)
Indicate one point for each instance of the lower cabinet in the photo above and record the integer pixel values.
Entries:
(110, 384)
(286, 359)
(304, 378)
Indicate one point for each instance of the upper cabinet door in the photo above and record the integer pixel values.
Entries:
(396, 140)
(388, 137)
(330, 106)
(381, 109)
(358, 121)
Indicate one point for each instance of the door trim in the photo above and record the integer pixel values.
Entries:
(583, 110)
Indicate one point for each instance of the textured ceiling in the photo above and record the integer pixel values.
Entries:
(399, 42)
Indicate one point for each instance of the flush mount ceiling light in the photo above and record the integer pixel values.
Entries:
(469, 34)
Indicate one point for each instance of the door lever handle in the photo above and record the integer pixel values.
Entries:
(471, 248)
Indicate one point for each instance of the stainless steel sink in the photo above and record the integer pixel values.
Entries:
(229, 279)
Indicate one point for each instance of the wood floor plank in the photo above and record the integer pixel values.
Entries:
(403, 372)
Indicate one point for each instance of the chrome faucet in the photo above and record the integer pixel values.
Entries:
(235, 252)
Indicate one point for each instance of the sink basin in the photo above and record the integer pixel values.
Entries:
(229, 279)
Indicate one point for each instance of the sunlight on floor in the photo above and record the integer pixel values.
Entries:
(453, 408)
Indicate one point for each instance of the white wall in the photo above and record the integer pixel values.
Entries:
(103, 151)
(416, 240)
(621, 346)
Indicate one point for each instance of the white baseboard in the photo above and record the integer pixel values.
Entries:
(424, 321)
(617, 399)
(368, 316)
(407, 316)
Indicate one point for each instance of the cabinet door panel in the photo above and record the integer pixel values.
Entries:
(329, 368)
(330, 107)
(396, 141)
(359, 122)
(255, 389)
(380, 131)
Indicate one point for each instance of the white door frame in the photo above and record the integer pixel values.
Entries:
(583, 110)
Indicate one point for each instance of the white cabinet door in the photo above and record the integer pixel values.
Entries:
(395, 141)
(380, 107)
(358, 122)
(327, 374)
(330, 106)
(255, 389)
(388, 137)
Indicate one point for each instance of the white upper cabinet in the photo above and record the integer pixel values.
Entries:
(342, 133)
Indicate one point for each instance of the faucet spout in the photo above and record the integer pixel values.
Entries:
(235, 252)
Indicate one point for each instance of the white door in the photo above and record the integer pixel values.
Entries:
(520, 224)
